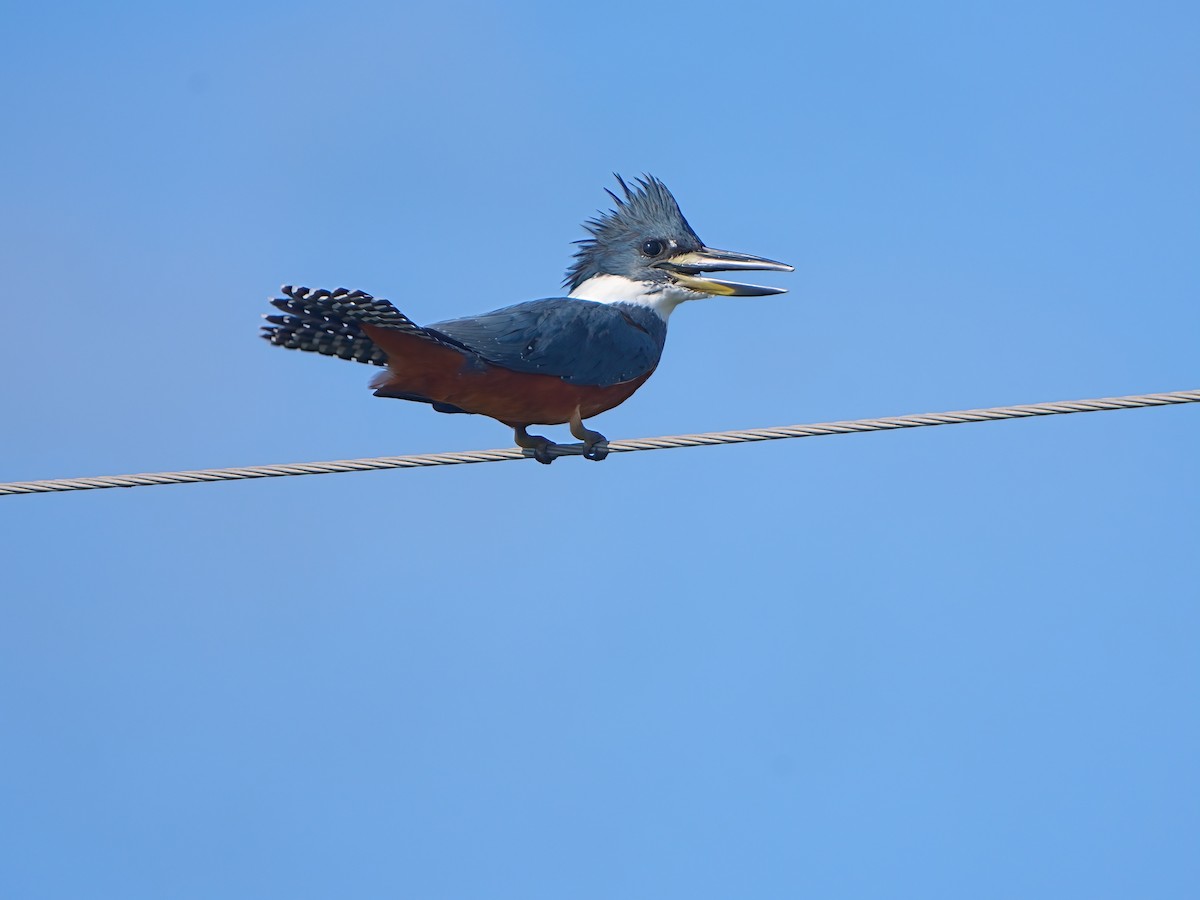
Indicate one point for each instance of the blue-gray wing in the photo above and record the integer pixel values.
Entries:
(579, 341)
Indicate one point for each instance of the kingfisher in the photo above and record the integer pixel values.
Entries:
(555, 361)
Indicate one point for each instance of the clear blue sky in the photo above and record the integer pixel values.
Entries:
(948, 663)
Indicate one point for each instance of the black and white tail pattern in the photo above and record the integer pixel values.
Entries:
(329, 322)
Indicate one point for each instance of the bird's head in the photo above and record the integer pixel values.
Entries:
(645, 245)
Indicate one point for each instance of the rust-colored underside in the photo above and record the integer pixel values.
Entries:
(444, 374)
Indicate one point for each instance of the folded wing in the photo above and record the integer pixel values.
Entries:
(578, 341)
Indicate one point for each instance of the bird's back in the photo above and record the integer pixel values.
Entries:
(579, 341)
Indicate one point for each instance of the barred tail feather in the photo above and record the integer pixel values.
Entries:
(333, 323)
(330, 323)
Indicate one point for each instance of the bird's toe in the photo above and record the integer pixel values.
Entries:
(596, 450)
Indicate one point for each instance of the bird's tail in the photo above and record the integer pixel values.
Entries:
(330, 322)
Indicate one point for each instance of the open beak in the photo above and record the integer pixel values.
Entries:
(686, 268)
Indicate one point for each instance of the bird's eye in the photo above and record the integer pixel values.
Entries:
(652, 248)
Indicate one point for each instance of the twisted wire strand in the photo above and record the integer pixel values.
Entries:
(669, 442)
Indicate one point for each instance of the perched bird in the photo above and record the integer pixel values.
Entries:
(545, 362)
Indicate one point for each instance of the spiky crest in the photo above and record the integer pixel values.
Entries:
(647, 210)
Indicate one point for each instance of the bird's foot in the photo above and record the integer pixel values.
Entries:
(537, 443)
(595, 445)
(596, 450)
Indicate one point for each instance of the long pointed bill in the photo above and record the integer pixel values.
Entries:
(686, 267)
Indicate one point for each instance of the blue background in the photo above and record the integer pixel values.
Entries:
(944, 663)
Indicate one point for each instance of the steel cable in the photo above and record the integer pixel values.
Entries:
(669, 442)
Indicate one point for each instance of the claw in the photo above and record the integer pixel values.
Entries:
(595, 450)
(537, 443)
(595, 445)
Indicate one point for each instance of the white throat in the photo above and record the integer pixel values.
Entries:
(662, 297)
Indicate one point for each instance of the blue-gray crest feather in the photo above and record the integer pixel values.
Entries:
(647, 211)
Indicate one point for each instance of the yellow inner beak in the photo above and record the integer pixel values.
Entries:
(703, 285)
